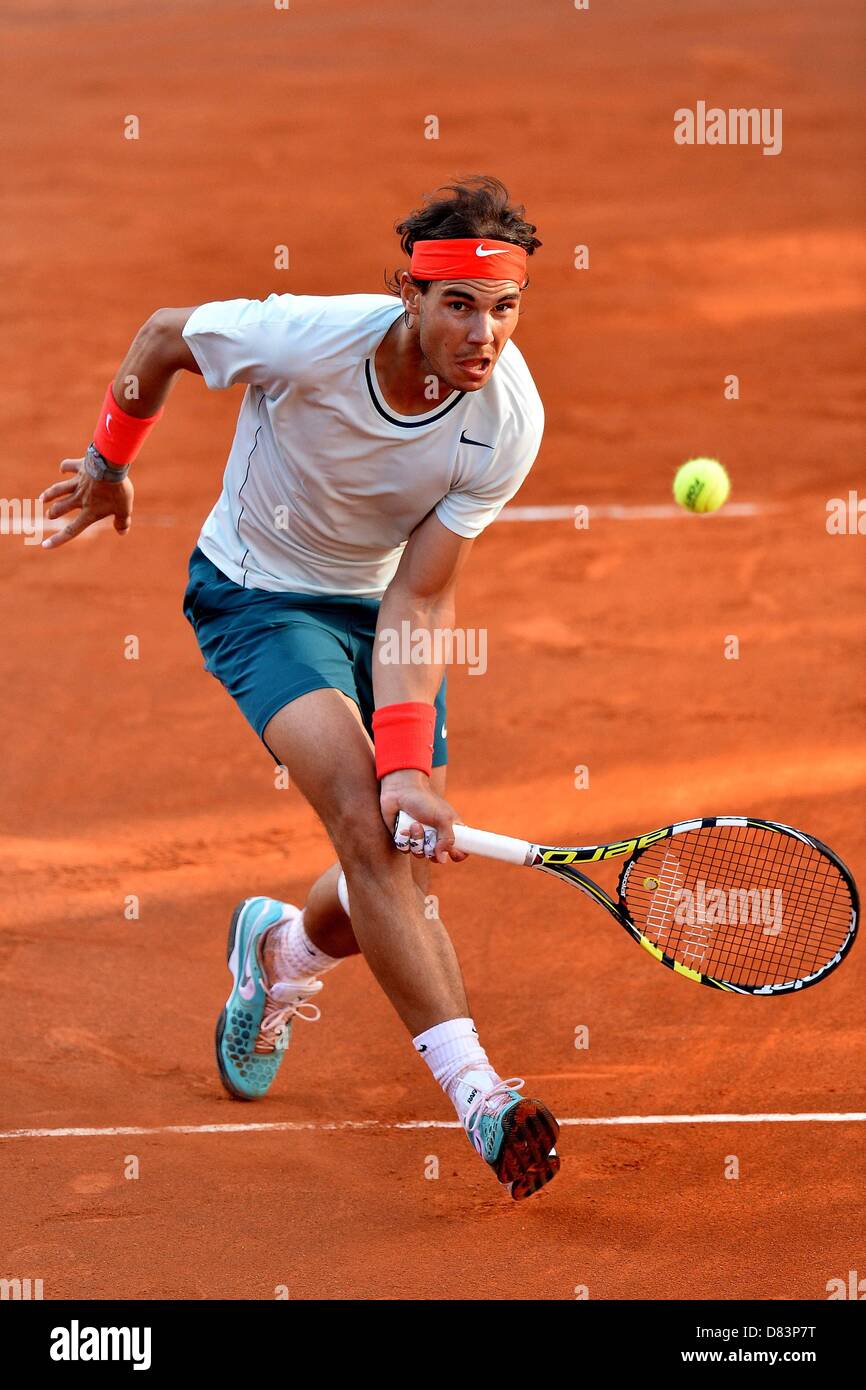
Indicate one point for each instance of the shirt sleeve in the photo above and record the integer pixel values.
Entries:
(255, 341)
(471, 506)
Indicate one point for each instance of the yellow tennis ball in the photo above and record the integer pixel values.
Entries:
(702, 485)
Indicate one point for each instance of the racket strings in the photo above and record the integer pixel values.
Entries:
(746, 904)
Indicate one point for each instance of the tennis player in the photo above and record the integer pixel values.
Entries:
(377, 437)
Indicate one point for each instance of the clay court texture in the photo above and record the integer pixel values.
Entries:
(137, 779)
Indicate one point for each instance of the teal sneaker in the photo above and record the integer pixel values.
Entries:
(255, 1027)
(515, 1136)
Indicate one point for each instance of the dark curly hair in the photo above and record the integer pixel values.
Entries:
(477, 205)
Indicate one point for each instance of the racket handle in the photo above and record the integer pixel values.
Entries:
(491, 846)
(482, 842)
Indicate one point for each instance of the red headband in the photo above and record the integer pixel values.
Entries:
(468, 258)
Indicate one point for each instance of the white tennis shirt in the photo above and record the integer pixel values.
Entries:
(324, 482)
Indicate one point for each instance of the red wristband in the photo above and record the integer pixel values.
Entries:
(403, 737)
(119, 436)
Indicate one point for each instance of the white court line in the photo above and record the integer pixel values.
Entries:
(302, 1126)
(612, 512)
(616, 512)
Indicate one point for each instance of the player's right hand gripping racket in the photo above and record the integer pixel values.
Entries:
(740, 904)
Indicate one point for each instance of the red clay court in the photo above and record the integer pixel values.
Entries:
(139, 778)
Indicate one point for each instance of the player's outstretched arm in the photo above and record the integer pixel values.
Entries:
(419, 599)
(98, 485)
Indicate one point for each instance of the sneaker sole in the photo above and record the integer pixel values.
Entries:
(221, 1021)
(527, 1160)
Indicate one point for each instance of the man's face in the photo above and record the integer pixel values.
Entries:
(463, 327)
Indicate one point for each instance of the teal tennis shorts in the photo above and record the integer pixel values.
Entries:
(267, 649)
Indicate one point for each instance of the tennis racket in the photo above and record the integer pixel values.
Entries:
(733, 902)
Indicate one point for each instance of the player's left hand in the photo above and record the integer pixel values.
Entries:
(410, 791)
(92, 499)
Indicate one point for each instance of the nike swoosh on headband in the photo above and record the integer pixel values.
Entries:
(495, 251)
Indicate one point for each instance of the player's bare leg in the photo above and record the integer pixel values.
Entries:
(326, 922)
(322, 742)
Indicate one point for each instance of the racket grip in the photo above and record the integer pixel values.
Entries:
(483, 842)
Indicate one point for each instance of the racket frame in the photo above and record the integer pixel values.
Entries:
(560, 861)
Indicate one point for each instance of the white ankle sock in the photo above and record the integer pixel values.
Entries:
(457, 1060)
(295, 956)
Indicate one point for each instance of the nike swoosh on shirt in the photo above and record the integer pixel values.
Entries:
(464, 439)
(495, 251)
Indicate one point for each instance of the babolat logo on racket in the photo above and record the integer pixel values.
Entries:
(590, 856)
